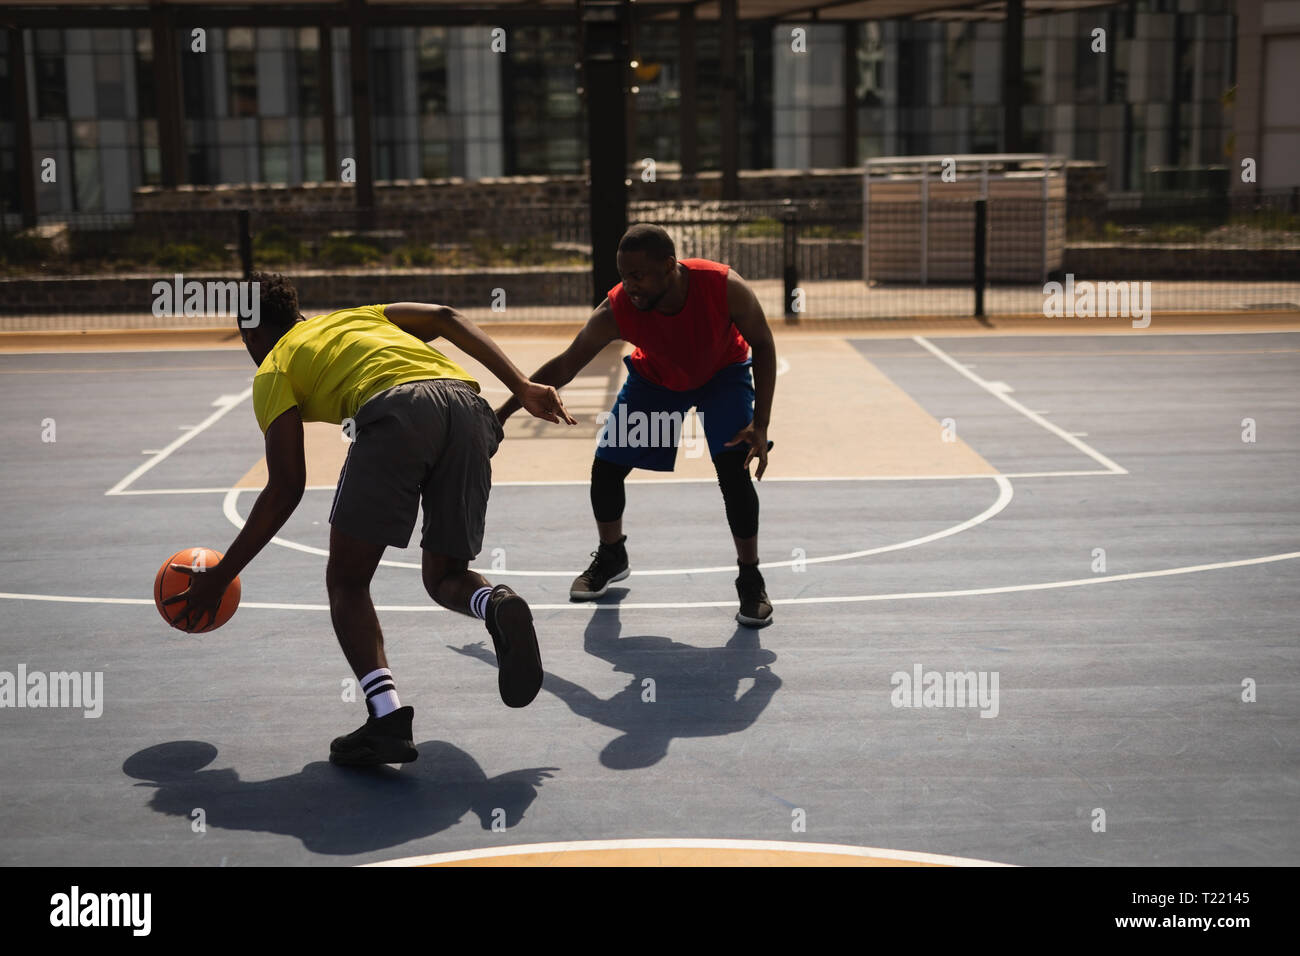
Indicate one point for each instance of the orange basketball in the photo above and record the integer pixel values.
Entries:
(170, 582)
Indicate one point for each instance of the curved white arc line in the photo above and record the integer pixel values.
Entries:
(835, 849)
(1005, 493)
(671, 605)
(232, 515)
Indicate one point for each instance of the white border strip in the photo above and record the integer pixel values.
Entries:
(837, 849)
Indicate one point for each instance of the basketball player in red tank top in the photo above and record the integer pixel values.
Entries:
(694, 324)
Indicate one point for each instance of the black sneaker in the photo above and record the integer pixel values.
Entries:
(519, 661)
(609, 564)
(380, 740)
(755, 608)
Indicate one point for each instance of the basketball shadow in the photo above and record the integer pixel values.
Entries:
(336, 810)
(676, 690)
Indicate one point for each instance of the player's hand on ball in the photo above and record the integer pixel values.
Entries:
(758, 446)
(543, 401)
(201, 598)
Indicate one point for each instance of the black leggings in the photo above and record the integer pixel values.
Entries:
(608, 497)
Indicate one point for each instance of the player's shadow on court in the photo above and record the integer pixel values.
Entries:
(334, 809)
(676, 690)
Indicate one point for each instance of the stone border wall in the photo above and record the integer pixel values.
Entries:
(819, 260)
(1085, 183)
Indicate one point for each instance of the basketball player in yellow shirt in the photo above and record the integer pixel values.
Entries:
(422, 436)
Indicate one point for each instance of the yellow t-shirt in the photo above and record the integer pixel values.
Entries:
(330, 365)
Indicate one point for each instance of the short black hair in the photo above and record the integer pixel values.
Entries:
(278, 300)
(648, 238)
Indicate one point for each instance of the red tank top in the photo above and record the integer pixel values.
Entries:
(685, 350)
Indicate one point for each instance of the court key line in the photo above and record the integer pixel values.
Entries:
(1005, 493)
(675, 605)
(224, 402)
(1033, 416)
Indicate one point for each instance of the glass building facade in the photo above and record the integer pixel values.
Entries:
(445, 103)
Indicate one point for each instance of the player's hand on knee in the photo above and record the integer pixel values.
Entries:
(758, 446)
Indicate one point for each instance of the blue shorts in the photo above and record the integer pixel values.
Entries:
(645, 425)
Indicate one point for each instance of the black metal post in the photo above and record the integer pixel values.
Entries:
(604, 65)
(1013, 43)
(362, 127)
(728, 119)
(790, 261)
(687, 117)
(981, 264)
(25, 166)
(168, 92)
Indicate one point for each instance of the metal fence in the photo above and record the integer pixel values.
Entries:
(807, 261)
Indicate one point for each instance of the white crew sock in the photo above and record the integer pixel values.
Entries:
(381, 692)
(478, 603)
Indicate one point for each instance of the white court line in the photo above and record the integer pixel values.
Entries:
(189, 491)
(1031, 415)
(227, 402)
(569, 846)
(1005, 492)
(584, 482)
(676, 605)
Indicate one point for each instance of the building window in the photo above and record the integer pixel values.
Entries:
(307, 62)
(241, 72)
(51, 75)
(431, 69)
(543, 124)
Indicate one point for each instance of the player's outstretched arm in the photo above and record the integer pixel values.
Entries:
(286, 480)
(427, 322)
(600, 330)
(748, 316)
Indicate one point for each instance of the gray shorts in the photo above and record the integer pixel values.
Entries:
(427, 443)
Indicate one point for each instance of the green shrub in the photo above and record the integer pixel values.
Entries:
(348, 251)
(1273, 220)
(184, 256)
(1177, 232)
(415, 255)
(24, 249)
(276, 246)
(829, 232)
(764, 228)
